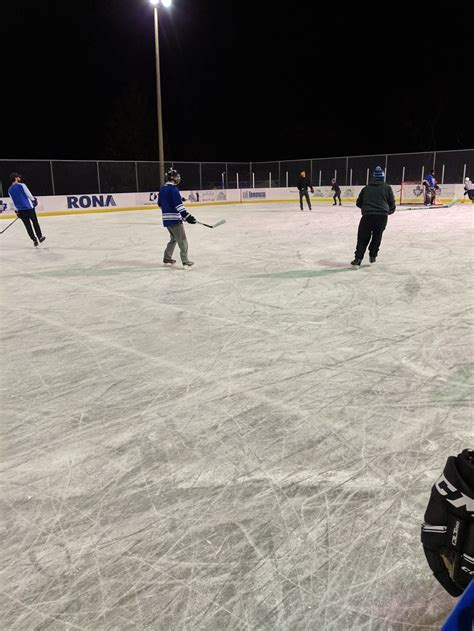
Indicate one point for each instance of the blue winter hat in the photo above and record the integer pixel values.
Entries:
(378, 174)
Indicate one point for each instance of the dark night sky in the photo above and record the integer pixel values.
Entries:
(240, 80)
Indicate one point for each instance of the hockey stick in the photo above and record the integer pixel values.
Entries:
(430, 207)
(10, 224)
(219, 223)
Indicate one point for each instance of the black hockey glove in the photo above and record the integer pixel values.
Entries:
(35, 202)
(190, 219)
(183, 199)
(448, 532)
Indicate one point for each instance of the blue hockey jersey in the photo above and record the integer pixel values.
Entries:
(432, 183)
(21, 196)
(171, 204)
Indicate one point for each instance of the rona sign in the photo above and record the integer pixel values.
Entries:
(90, 201)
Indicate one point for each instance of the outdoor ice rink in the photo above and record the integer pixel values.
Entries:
(246, 445)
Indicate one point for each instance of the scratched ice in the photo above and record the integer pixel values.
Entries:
(249, 444)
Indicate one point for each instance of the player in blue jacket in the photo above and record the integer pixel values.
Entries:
(174, 214)
(431, 188)
(25, 204)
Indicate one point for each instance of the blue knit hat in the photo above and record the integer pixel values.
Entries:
(378, 174)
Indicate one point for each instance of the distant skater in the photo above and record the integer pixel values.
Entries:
(303, 185)
(431, 189)
(337, 191)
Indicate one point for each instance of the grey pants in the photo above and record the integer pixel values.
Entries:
(178, 236)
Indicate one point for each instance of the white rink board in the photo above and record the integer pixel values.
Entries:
(110, 202)
(246, 445)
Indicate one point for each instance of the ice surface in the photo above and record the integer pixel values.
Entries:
(249, 444)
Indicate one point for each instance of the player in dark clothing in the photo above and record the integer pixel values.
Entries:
(337, 191)
(376, 201)
(303, 185)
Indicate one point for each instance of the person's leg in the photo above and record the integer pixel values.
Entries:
(379, 223)
(334, 199)
(363, 236)
(25, 217)
(301, 199)
(168, 255)
(308, 201)
(427, 196)
(339, 198)
(180, 235)
(36, 226)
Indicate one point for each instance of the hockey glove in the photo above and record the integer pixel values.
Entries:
(448, 532)
(190, 219)
(312, 189)
(35, 202)
(183, 199)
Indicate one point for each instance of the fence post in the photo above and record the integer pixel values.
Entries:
(237, 177)
(269, 179)
(250, 174)
(386, 166)
(442, 175)
(350, 180)
(253, 179)
(434, 160)
(136, 177)
(311, 171)
(279, 174)
(52, 176)
(287, 179)
(403, 174)
(422, 173)
(227, 173)
(98, 176)
(347, 167)
(464, 174)
(335, 174)
(223, 179)
(367, 179)
(200, 176)
(320, 173)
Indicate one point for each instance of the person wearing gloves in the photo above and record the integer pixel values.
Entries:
(174, 215)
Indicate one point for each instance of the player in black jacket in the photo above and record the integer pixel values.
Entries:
(337, 191)
(303, 185)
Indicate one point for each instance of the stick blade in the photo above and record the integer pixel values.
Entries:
(219, 223)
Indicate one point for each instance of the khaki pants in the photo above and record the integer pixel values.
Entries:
(178, 236)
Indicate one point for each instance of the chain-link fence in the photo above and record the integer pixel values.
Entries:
(65, 177)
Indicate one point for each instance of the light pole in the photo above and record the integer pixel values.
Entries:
(156, 4)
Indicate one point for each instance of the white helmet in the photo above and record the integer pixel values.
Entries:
(467, 180)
